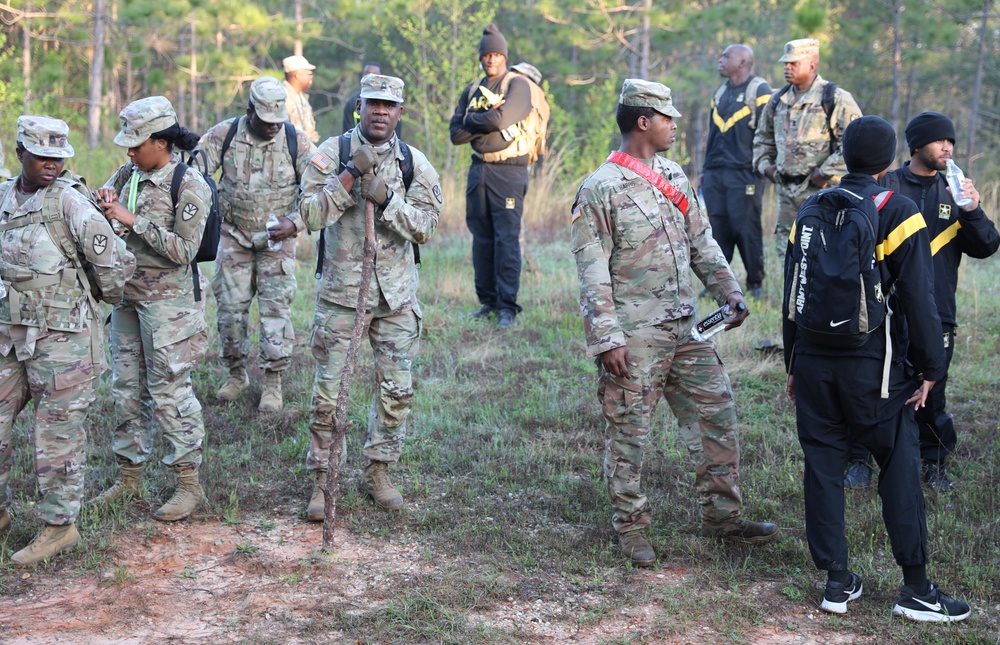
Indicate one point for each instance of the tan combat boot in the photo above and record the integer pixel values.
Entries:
(375, 483)
(317, 511)
(187, 497)
(128, 484)
(270, 395)
(4, 521)
(52, 540)
(636, 547)
(236, 382)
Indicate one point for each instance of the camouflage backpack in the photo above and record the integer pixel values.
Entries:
(533, 128)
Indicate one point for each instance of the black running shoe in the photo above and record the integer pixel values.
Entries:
(837, 595)
(935, 606)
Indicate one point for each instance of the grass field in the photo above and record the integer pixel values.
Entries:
(503, 479)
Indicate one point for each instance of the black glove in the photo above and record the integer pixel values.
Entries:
(375, 190)
(362, 161)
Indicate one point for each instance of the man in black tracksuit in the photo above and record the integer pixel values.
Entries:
(733, 191)
(488, 116)
(836, 392)
(954, 231)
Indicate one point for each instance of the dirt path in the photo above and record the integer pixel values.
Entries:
(206, 582)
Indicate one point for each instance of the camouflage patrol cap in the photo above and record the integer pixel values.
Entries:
(798, 49)
(640, 93)
(268, 96)
(44, 136)
(528, 70)
(142, 118)
(386, 88)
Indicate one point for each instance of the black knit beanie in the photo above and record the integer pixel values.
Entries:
(492, 41)
(928, 127)
(869, 145)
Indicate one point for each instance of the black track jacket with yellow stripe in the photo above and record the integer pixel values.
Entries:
(952, 231)
(905, 258)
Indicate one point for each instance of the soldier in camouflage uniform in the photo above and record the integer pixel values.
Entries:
(4, 173)
(635, 243)
(796, 146)
(298, 79)
(51, 346)
(258, 179)
(404, 216)
(157, 333)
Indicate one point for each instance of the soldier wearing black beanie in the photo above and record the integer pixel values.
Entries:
(928, 127)
(492, 42)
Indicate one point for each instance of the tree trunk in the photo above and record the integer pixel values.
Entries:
(644, 38)
(96, 76)
(970, 150)
(897, 68)
(298, 28)
(340, 416)
(193, 122)
(26, 56)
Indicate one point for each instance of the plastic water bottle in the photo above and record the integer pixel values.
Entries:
(955, 177)
(272, 223)
(714, 322)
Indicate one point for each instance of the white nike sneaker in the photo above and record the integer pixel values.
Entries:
(935, 606)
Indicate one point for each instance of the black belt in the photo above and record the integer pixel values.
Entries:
(786, 180)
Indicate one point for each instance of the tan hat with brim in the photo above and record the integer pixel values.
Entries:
(44, 136)
(143, 118)
(796, 50)
(639, 93)
(268, 96)
(385, 88)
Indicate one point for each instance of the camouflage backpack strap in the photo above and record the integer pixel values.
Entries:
(55, 222)
(750, 99)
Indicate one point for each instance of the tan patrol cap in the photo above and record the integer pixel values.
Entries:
(798, 49)
(268, 96)
(386, 88)
(295, 63)
(44, 136)
(144, 117)
(528, 70)
(640, 93)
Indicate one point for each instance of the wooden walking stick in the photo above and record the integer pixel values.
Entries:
(340, 417)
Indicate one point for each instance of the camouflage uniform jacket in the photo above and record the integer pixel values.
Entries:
(300, 112)
(410, 218)
(633, 251)
(257, 177)
(793, 134)
(164, 239)
(29, 253)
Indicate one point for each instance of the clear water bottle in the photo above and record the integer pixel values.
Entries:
(715, 322)
(955, 177)
(272, 223)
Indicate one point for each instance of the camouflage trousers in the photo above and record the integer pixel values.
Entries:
(790, 200)
(58, 372)
(154, 346)
(395, 340)
(690, 376)
(241, 274)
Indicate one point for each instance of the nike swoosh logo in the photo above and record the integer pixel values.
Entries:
(838, 324)
(935, 607)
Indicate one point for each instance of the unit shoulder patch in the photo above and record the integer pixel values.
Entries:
(100, 244)
(190, 210)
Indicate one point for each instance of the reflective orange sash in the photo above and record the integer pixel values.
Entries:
(678, 198)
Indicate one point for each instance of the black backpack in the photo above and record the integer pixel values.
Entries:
(834, 290)
(405, 167)
(208, 249)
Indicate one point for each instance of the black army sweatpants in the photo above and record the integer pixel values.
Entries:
(734, 200)
(836, 396)
(494, 202)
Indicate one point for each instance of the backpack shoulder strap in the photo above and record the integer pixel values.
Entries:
(773, 103)
(175, 183)
(234, 125)
(406, 165)
(718, 95)
(293, 147)
(881, 199)
(750, 99)
(829, 101)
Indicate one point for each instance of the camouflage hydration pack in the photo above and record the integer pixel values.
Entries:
(527, 137)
